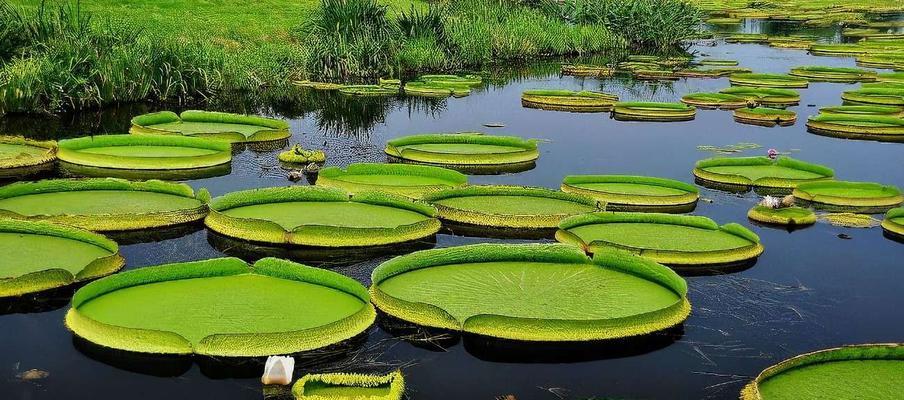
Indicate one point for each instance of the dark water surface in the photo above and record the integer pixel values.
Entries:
(809, 290)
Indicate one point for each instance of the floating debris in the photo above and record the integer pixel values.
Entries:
(33, 375)
(730, 149)
(850, 220)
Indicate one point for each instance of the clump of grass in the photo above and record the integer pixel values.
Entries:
(654, 25)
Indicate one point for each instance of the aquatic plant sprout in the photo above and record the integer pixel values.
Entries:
(21, 157)
(104, 204)
(462, 149)
(509, 206)
(320, 217)
(38, 256)
(140, 152)
(865, 371)
(634, 193)
(402, 179)
(861, 197)
(568, 100)
(531, 292)
(677, 240)
(272, 307)
(782, 172)
(233, 128)
(347, 386)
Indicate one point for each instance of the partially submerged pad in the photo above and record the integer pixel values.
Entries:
(342, 386)
(867, 371)
(634, 193)
(20, 156)
(531, 292)
(768, 80)
(104, 204)
(402, 179)
(369, 90)
(568, 100)
(37, 256)
(893, 223)
(866, 127)
(782, 172)
(233, 128)
(864, 197)
(509, 206)
(221, 307)
(653, 111)
(764, 116)
(793, 216)
(139, 152)
(463, 149)
(680, 240)
(321, 217)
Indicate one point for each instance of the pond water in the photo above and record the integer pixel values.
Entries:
(813, 288)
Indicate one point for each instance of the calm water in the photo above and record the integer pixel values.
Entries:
(809, 290)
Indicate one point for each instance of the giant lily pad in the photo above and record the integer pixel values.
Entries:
(463, 149)
(867, 127)
(233, 128)
(20, 157)
(893, 224)
(634, 193)
(321, 217)
(765, 116)
(793, 216)
(531, 292)
(833, 74)
(767, 80)
(221, 307)
(715, 100)
(885, 96)
(568, 100)
(343, 386)
(868, 371)
(37, 256)
(653, 111)
(103, 204)
(863, 197)
(680, 240)
(782, 172)
(889, 111)
(403, 179)
(765, 96)
(156, 156)
(509, 206)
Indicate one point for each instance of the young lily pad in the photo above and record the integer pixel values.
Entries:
(233, 128)
(862, 197)
(653, 111)
(402, 179)
(793, 216)
(768, 80)
(868, 371)
(782, 172)
(342, 386)
(531, 292)
(20, 157)
(765, 116)
(158, 156)
(509, 206)
(680, 240)
(103, 204)
(38, 256)
(634, 193)
(221, 307)
(320, 217)
(463, 149)
(568, 100)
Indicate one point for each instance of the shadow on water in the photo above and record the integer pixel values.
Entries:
(124, 238)
(44, 301)
(459, 229)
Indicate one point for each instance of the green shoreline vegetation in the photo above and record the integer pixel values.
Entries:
(61, 55)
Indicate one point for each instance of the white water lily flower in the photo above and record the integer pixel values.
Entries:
(771, 202)
(278, 370)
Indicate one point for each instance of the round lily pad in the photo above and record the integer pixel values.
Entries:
(710, 72)
(402, 179)
(862, 197)
(875, 96)
(469, 80)
(437, 89)
(867, 371)
(369, 90)
(768, 80)
(782, 172)
(509, 206)
(893, 77)
(103, 204)
(38, 256)
(719, 62)
(320, 217)
(531, 292)
(233, 128)
(20, 157)
(833, 74)
(221, 307)
(890, 111)
(765, 96)
(680, 240)
(765, 116)
(159, 156)
(339, 386)
(587, 70)
(715, 100)
(568, 100)
(463, 149)
(794, 216)
(655, 74)
(318, 85)
(866, 127)
(653, 111)
(893, 224)
(634, 193)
